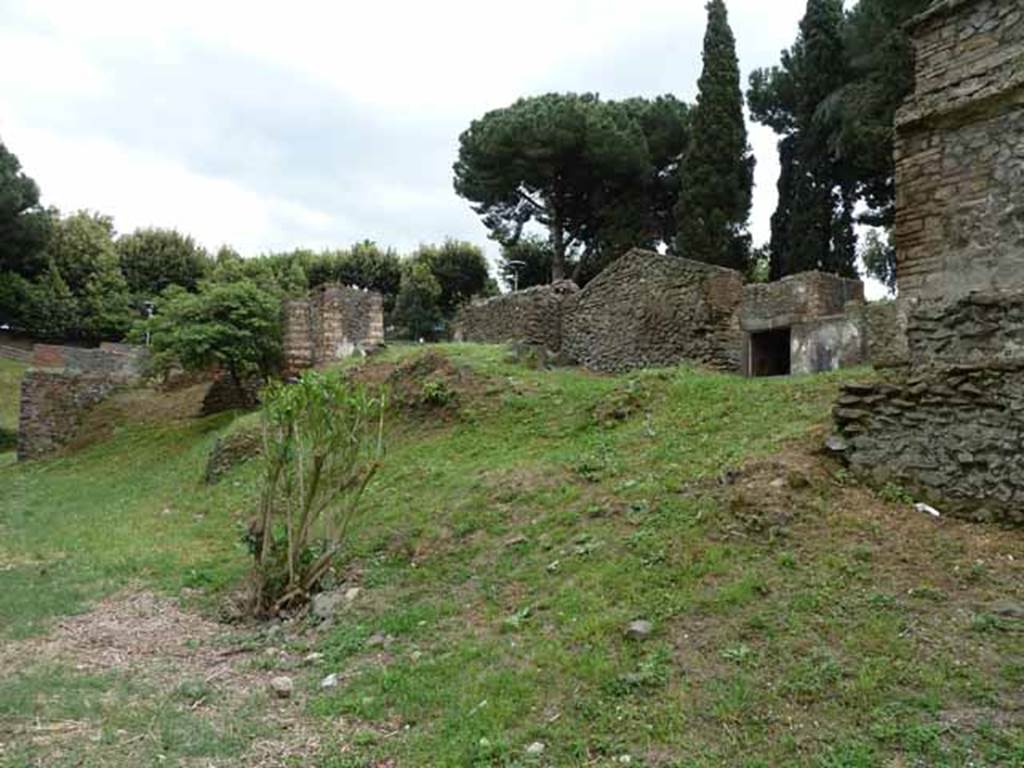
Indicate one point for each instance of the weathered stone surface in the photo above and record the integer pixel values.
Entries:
(332, 323)
(823, 313)
(884, 328)
(979, 328)
(649, 309)
(532, 317)
(953, 438)
(62, 385)
(282, 687)
(230, 451)
(950, 425)
(960, 153)
(797, 299)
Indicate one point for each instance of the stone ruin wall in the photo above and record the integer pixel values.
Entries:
(797, 299)
(532, 317)
(823, 313)
(332, 323)
(649, 309)
(655, 310)
(949, 424)
(63, 383)
(960, 153)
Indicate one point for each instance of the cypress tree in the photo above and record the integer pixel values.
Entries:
(718, 169)
(813, 224)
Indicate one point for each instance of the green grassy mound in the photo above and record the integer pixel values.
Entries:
(524, 519)
(11, 372)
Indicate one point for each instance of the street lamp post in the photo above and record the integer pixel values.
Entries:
(515, 266)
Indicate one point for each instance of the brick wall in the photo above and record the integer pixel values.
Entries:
(949, 423)
(62, 385)
(332, 323)
(960, 152)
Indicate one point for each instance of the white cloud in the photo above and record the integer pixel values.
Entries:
(274, 125)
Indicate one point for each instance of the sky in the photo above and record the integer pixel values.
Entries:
(276, 125)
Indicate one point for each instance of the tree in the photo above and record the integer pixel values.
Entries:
(880, 75)
(155, 259)
(50, 310)
(416, 308)
(812, 228)
(561, 160)
(236, 325)
(81, 249)
(460, 270)
(666, 124)
(718, 169)
(526, 263)
(24, 223)
(833, 98)
(282, 275)
(364, 265)
(105, 306)
(879, 258)
(82, 245)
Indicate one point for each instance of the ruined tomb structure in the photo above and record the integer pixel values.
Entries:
(949, 425)
(331, 323)
(803, 323)
(649, 309)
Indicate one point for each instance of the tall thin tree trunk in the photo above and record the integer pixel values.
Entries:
(558, 244)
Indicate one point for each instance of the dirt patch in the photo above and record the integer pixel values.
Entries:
(172, 658)
(428, 384)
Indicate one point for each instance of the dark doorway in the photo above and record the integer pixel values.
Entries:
(769, 353)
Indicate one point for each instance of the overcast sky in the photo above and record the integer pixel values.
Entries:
(276, 125)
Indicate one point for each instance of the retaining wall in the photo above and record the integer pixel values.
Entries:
(63, 383)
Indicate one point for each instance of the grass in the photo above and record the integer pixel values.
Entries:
(10, 393)
(522, 521)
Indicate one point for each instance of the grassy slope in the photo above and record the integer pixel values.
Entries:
(503, 554)
(10, 383)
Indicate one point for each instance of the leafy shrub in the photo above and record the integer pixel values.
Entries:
(322, 445)
(236, 326)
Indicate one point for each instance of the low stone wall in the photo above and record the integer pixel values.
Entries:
(951, 435)
(62, 385)
(977, 329)
(649, 309)
(532, 316)
(117, 360)
(332, 323)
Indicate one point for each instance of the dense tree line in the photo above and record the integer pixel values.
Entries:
(70, 276)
